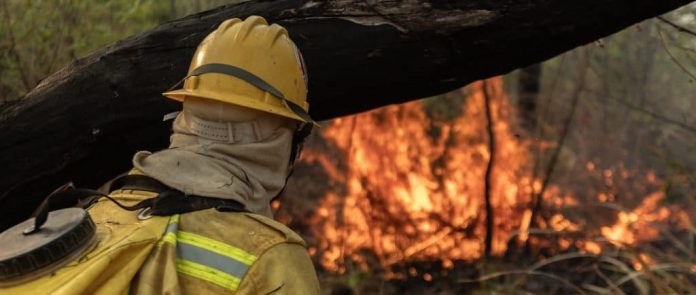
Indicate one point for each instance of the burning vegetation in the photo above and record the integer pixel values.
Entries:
(414, 185)
(402, 197)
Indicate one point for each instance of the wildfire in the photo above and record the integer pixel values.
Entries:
(636, 225)
(413, 189)
(415, 186)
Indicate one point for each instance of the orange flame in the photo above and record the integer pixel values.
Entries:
(414, 189)
(635, 226)
(414, 193)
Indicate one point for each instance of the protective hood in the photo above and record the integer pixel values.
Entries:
(246, 161)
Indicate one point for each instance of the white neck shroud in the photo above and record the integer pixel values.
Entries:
(224, 151)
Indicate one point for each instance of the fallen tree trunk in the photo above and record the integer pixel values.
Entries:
(84, 122)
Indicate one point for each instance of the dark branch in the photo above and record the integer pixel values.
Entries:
(488, 242)
(676, 26)
(84, 122)
(537, 201)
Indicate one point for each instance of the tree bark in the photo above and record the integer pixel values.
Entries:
(528, 95)
(84, 122)
(488, 180)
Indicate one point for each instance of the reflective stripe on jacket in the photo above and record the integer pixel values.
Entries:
(202, 252)
(207, 259)
(211, 252)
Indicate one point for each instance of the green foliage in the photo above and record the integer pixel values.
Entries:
(39, 37)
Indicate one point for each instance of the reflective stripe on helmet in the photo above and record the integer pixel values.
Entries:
(207, 259)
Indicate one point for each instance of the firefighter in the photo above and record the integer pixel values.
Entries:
(196, 218)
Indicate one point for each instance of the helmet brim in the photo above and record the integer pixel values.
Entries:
(181, 94)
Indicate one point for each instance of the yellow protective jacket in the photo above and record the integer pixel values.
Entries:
(202, 252)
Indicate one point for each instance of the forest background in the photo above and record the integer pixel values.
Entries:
(632, 95)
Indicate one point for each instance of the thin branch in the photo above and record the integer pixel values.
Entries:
(543, 116)
(684, 48)
(688, 51)
(561, 141)
(654, 114)
(674, 59)
(58, 49)
(676, 26)
(26, 81)
(489, 171)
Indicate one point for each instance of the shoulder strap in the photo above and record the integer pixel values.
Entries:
(168, 201)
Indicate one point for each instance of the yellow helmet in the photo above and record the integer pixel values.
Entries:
(250, 64)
